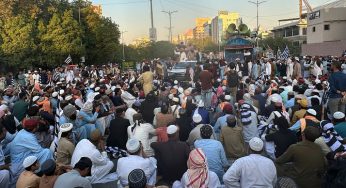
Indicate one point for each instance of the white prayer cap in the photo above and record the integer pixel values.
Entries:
(97, 88)
(113, 88)
(28, 161)
(3, 107)
(35, 98)
(102, 80)
(227, 97)
(317, 81)
(170, 96)
(197, 118)
(296, 58)
(275, 98)
(176, 82)
(218, 80)
(180, 90)
(338, 115)
(256, 144)
(66, 127)
(175, 99)
(92, 86)
(133, 145)
(61, 92)
(312, 112)
(54, 94)
(285, 77)
(108, 91)
(200, 104)
(58, 83)
(68, 97)
(172, 129)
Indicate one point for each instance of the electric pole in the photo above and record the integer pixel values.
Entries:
(170, 23)
(257, 3)
(122, 39)
(152, 30)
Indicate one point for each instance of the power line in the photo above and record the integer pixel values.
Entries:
(170, 23)
(186, 6)
(257, 3)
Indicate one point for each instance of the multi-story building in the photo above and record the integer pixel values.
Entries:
(228, 18)
(207, 29)
(220, 23)
(198, 31)
(294, 31)
(326, 28)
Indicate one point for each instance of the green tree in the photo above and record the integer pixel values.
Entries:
(101, 37)
(162, 49)
(17, 40)
(44, 32)
(62, 37)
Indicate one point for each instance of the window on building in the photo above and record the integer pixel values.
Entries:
(326, 27)
(295, 31)
(304, 31)
(313, 29)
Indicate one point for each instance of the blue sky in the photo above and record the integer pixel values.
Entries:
(133, 16)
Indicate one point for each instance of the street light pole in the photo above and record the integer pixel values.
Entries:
(170, 23)
(122, 39)
(257, 3)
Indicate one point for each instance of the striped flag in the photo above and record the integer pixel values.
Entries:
(285, 54)
(68, 59)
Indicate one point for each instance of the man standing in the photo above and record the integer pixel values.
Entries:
(206, 79)
(171, 167)
(233, 81)
(253, 170)
(337, 89)
(297, 70)
(308, 162)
